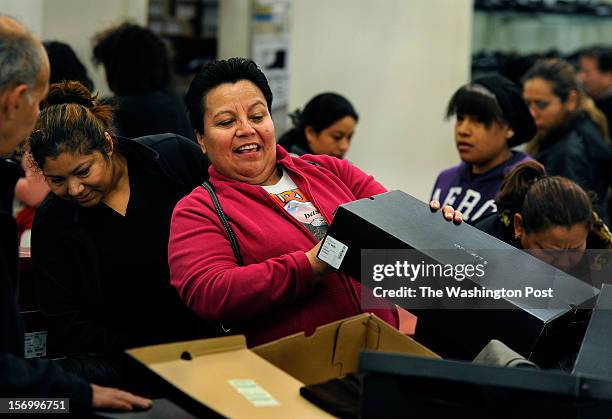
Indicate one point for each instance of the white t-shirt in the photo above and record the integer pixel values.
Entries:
(298, 205)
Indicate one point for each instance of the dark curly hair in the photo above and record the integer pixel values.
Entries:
(135, 59)
(65, 65)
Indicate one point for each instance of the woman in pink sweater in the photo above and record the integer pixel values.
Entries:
(279, 207)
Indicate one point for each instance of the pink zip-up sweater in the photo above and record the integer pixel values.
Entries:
(275, 293)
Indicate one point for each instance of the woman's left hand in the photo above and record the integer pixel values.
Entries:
(448, 212)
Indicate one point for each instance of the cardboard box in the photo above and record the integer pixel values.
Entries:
(333, 349)
(200, 371)
(442, 388)
(203, 369)
(396, 220)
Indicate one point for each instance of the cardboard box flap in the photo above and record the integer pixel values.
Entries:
(194, 348)
(382, 337)
(333, 349)
(225, 376)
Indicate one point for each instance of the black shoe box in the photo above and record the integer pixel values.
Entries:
(396, 220)
(595, 355)
(398, 386)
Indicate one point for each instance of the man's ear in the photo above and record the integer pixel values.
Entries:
(201, 140)
(15, 98)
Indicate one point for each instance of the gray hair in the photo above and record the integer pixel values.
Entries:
(20, 55)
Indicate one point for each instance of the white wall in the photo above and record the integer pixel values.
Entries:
(398, 61)
(76, 22)
(29, 12)
(234, 37)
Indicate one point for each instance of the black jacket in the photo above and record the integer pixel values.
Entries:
(578, 151)
(10, 172)
(152, 113)
(81, 292)
(605, 105)
(20, 377)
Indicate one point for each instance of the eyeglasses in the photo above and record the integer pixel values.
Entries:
(539, 104)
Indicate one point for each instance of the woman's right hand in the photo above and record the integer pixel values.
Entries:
(112, 398)
(319, 268)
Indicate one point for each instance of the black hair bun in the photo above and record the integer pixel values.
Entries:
(297, 119)
(70, 92)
